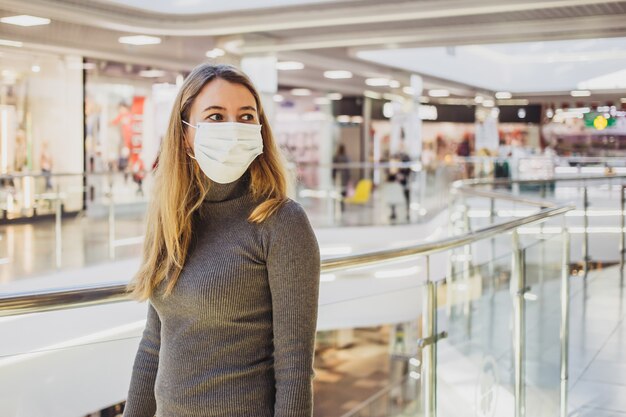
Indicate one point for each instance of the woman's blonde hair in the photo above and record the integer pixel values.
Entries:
(180, 186)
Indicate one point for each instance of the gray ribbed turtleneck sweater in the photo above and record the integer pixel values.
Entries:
(236, 337)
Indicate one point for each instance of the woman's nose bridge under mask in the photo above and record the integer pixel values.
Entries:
(224, 150)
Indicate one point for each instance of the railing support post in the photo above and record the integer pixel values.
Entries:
(111, 220)
(564, 334)
(586, 233)
(622, 237)
(518, 288)
(57, 229)
(429, 353)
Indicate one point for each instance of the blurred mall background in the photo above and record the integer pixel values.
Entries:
(462, 162)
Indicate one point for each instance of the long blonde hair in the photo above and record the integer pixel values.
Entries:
(180, 186)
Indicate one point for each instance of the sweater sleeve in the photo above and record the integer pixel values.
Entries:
(140, 401)
(293, 267)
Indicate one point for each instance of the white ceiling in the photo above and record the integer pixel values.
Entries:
(547, 66)
(187, 7)
(330, 35)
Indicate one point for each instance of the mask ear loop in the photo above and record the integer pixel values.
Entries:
(187, 149)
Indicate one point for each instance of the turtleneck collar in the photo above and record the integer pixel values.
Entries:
(224, 192)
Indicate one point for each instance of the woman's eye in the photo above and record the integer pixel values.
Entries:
(216, 117)
(247, 117)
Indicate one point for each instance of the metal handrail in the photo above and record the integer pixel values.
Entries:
(67, 174)
(60, 299)
(487, 181)
(371, 258)
(43, 301)
(506, 197)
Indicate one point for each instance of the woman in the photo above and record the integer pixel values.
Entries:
(230, 266)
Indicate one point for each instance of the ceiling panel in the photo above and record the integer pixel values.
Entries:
(190, 7)
(517, 67)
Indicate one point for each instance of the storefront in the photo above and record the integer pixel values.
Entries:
(79, 120)
(587, 131)
(41, 131)
(127, 108)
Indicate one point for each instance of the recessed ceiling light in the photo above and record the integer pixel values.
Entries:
(356, 119)
(15, 44)
(393, 97)
(139, 40)
(343, 118)
(408, 90)
(215, 52)
(503, 95)
(35, 68)
(152, 73)
(334, 96)
(372, 94)
(25, 20)
(322, 101)
(289, 65)
(515, 102)
(301, 92)
(438, 93)
(394, 84)
(278, 98)
(580, 93)
(478, 99)
(337, 74)
(377, 82)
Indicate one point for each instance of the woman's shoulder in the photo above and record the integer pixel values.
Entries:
(289, 217)
(289, 211)
(289, 229)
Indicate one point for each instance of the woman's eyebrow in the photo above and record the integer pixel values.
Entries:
(252, 108)
(214, 108)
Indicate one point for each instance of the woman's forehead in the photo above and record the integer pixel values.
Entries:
(221, 93)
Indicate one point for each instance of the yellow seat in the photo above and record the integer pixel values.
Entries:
(362, 192)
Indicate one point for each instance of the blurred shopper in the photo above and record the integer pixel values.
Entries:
(139, 173)
(464, 150)
(21, 150)
(124, 120)
(429, 158)
(231, 265)
(341, 175)
(45, 162)
(403, 175)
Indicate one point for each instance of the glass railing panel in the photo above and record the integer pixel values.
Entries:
(69, 225)
(28, 196)
(473, 361)
(368, 363)
(543, 262)
(372, 194)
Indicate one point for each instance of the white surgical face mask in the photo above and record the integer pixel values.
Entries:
(225, 150)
